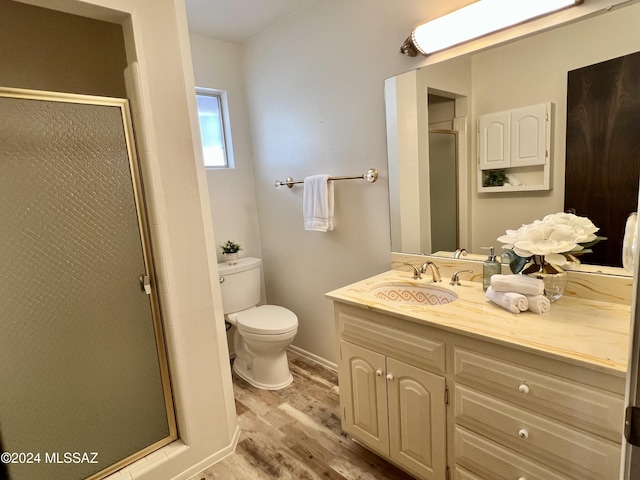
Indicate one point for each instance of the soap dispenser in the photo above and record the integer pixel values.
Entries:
(490, 267)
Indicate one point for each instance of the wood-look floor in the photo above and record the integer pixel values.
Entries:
(295, 433)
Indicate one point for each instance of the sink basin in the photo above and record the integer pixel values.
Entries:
(410, 294)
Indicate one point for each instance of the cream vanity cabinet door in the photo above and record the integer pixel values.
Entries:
(363, 396)
(417, 419)
(394, 408)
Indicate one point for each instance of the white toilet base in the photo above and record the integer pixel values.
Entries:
(266, 372)
(242, 373)
(261, 360)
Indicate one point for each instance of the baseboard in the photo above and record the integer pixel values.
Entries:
(211, 460)
(312, 356)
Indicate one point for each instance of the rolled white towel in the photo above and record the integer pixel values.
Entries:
(513, 181)
(538, 303)
(523, 284)
(514, 302)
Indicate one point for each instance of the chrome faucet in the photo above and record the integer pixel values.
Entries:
(455, 281)
(459, 252)
(435, 272)
(416, 272)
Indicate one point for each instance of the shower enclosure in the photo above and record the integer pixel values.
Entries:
(84, 380)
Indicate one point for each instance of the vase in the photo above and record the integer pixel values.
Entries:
(231, 258)
(554, 278)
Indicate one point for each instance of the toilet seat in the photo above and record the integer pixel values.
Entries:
(267, 320)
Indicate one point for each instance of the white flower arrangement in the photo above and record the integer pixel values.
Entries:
(558, 237)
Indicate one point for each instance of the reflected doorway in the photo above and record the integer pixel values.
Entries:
(443, 187)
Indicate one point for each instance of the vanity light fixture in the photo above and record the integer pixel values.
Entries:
(475, 20)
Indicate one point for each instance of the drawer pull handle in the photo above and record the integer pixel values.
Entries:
(523, 388)
(378, 373)
(389, 376)
(522, 433)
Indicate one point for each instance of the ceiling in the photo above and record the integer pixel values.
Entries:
(237, 21)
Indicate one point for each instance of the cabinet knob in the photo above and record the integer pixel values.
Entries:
(389, 376)
(523, 388)
(522, 433)
(378, 373)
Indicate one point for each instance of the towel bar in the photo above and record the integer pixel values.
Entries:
(371, 176)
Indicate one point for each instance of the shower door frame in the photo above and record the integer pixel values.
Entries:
(147, 253)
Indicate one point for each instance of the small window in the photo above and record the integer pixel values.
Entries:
(214, 128)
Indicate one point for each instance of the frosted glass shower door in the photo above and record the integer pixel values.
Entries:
(84, 384)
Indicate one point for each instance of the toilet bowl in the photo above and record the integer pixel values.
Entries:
(263, 332)
(263, 335)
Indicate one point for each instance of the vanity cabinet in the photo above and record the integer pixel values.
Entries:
(394, 407)
(444, 404)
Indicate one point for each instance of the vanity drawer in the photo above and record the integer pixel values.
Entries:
(493, 461)
(586, 407)
(462, 474)
(410, 345)
(564, 449)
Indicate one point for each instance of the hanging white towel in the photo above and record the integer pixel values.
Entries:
(514, 302)
(317, 203)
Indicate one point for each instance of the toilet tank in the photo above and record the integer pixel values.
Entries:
(240, 284)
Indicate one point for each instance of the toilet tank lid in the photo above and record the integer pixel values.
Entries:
(242, 265)
(267, 320)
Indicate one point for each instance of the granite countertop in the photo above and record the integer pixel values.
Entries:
(576, 330)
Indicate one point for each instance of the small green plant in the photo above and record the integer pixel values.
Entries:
(230, 247)
(494, 178)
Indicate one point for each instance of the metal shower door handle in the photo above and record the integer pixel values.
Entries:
(145, 284)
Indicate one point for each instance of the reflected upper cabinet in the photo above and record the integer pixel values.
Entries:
(494, 148)
(517, 141)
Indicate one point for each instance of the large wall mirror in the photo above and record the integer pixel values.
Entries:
(426, 104)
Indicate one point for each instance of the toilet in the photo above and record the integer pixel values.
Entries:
(263, 332)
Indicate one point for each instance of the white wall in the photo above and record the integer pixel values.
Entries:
(219, 65)
(315, 94)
